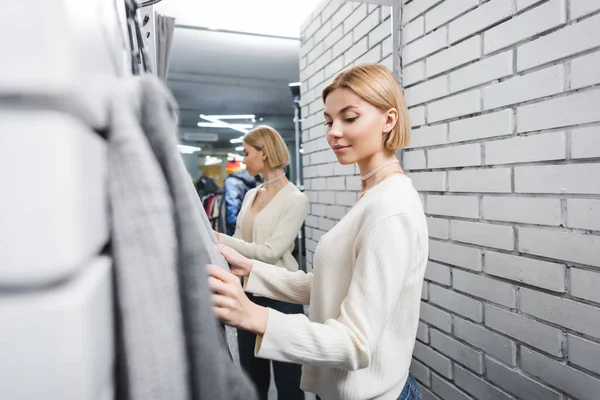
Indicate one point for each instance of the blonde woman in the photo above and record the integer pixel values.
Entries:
(267, 225)
(364, 294)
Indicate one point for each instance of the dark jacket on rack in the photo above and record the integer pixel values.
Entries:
(236, 186)
(170, 344)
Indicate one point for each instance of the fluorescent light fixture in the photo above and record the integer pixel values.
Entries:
(184, 149)
(234, 157)
(209, 160)
(222, 117)
(301, 151)
(295, 84)
(237, 127)
(201, 137)
(239, 148)
(237, 140)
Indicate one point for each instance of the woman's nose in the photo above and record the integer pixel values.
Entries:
(334, 130)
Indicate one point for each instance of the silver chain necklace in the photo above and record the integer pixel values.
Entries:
(376, 170)
(273, 180)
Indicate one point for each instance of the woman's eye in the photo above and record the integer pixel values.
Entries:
(327, 123)
(351, 120)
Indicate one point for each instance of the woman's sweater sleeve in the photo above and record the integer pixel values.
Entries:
(384, 253)
(279, 284)
(284, 234)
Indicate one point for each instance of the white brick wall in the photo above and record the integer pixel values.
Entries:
(506, 152)
(504, 102)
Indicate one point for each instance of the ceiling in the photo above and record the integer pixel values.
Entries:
(216, 72)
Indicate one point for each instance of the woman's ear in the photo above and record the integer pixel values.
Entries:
(391, 119)
(264, 155)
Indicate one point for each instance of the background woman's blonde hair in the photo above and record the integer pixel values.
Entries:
(376, 85)
(268, 139)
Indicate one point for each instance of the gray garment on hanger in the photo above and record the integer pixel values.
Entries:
(192, 357)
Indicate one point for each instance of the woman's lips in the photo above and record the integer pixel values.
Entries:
(340, 149)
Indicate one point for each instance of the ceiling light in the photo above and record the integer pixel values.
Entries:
(188, 149)
(209, 160)
(201, 137)
(234, 157)
(240, 148)
(240, 116)
(237, 140)
(238, 127)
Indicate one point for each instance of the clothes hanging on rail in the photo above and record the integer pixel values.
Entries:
(171, 343)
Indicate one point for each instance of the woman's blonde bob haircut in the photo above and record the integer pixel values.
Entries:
(268, 139)
(376, 85)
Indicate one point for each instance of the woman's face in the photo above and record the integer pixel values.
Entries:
(355, 128)
(254, 160)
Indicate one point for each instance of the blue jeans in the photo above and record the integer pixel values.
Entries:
(411, 390)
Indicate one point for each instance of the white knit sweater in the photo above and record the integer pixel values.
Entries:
(364, 298)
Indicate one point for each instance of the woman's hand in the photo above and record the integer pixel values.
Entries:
(240, 265)
(217, 234)
(231, 305)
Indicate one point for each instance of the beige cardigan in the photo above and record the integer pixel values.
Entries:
(275, 228)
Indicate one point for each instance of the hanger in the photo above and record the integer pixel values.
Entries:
(139, 51)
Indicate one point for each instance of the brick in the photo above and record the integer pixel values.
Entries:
(483, 234)
(322, 32)
(425, 291)
(386, 11)
(477, 387)
(318, 209)
(412, 160)
(317, 78)
(413, 73)
(312, 28)
(578, 108)
(495, 180)
(518, 384)
(544, 147)
(325, 170)
(359, 14)
(519, 89)
(484, 288)
(333, 37)
(315, 53)
(312, 221)
(577, 384)
(428, 136)
(447, 390)
(358, 49)
(318, 184)
(498, 123)
(585, 142)
(327, 197)
(336, 212)
(340, 169)
(456, 302)
(523, 4)
(584, 353)
(342, 45)
(535, 22)
(488, 341)
(436, 317)
(480, 18)
(447, 11)
(433, 360)
(429, 181)
(538, 273)
(424, 46)
(427, 395)
(420, 372)
(413, 30)
(566, 42)
(583, 214)
(580, 8)
(455, 106)
(524, 329)
(373, 56)
(380, 33)
(486, 70)
(416, 115)
(529, 210)
(573, 179)
(342, 13)
(338, 183)
(366, 26)
(423, 332)
(353, 183)
(312, 196)
(568, 313)
(388, 61)
(428, 90)
(334, 68)
(568, 246)
(345, 198)
(416, 8)
(457, 351)
(451, 253)
(585, 284)
(454, 156)
(454, 206)
(438, 273)
(326, 224)
(386, 50)
(455, 56)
